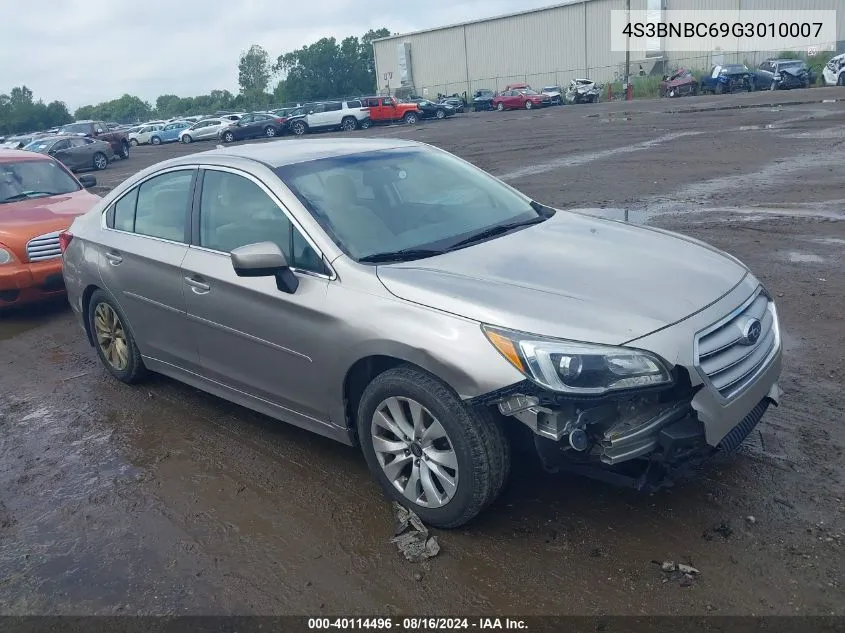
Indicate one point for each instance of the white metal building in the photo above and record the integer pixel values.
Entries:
(548, 46)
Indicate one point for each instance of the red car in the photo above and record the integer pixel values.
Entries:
(519, 99)
(39, 198)
(679, 84)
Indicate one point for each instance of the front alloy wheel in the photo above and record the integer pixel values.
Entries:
(500, 106)
(529, 104)
(428, 450)
(269, 131)
(228, 137)
(100, 161)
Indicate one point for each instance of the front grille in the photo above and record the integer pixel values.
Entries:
(43, 247)
(727, 357)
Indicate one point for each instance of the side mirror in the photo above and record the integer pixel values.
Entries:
(265, 259)
(87, 181)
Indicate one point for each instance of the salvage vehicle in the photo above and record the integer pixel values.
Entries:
(784, 74)
(455, 101)
(681, 83)
(330, 115)
(39, 198)
(253, 125)
(143, 134)
(431, 110)
(833, 72)
(389, 110)
(582, 91)
(204, 130)
(328, 284)
(97, 129)
(728, 78)
(518, 99)
(75, 152)
(169, 133)
(554, 93)
(482, 100)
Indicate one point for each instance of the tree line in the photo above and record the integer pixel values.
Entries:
(321, 70)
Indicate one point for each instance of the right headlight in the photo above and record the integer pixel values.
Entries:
(6, 255)
(579, 368)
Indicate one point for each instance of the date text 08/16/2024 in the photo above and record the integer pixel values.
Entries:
(416, 624)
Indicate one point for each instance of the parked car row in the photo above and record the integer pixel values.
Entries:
(521, 96)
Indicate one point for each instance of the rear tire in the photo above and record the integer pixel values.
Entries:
(719, 89)
(410, 118)
(133, 370)
(841, 80)
(366, 124)
(124, 150)
(349, 124)
(100, 161)
(773, 86)
(500, 106)
(186, 139)
(480, 450)
(529, 104)
(440, 114)
(155, 140)
(269, 131)
(228, 137)
(299, 128)
(133, 142)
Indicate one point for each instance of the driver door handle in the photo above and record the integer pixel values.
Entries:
(114, 258)
(197, 284)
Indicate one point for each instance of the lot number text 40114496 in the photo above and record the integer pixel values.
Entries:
(417, 624)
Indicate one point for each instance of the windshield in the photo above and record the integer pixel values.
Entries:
(32, 179)
(734, 68)
(39, 146)
(402, 199)
(527, 91)
(76, 128)
(795, 64)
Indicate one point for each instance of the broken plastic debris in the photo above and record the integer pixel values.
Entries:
(411, 536)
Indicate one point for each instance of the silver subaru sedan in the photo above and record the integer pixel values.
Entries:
(390, 295)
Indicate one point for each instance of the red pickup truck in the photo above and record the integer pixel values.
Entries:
(388, 110)
(97, 129)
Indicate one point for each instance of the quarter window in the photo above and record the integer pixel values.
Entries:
(124, 212)
(235, 211)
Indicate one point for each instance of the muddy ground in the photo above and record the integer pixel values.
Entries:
(161, 499)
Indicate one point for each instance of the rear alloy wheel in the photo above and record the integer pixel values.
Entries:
(113, 340)
(155, 140)
(428, 450)
(269, 131)
(349, 124)
(529, 104)
(366, 124)
(410, 118)
(124, 150)
(186, 138)
(500, 106)
(133, 142)
(440, 114)
(100, 161)
(298, 128)
(228, 137)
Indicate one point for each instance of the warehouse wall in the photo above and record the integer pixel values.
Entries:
(549, 46)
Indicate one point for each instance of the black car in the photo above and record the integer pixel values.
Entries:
(483, 99)
(784, 74)
(253, 125)
(431, 110)
(455, 101)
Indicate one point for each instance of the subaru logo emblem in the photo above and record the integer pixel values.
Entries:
(751, 332)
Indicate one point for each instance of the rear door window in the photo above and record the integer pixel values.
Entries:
(162, 207)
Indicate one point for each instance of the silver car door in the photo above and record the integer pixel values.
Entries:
(252, 337)
(142, 246)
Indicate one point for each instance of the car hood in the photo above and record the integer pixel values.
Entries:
(795, 72)
(21, 221)
(574, 277)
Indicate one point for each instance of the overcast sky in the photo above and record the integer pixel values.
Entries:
(87, 51)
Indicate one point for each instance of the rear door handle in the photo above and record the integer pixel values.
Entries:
(197, 285)
(114, 258)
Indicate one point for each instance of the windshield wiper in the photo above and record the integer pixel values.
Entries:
(403, 255)
(23, 195)
(493, 231)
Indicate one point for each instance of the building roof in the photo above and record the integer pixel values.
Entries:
(481, 20)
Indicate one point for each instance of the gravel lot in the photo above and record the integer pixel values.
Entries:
(162, 499)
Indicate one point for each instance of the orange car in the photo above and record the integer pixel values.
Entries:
(39, 198)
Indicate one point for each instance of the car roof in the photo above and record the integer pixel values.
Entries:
(17, 155)
(281, 153)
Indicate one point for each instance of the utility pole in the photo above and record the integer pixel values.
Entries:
(628, 91)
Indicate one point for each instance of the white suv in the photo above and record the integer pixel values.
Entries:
(329, 115)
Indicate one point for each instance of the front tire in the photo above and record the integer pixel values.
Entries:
(187, 139)
(228, 137)
(529, 105)
(773, 86)
(100, 161)
(133, 142)
(124, 150)
(410, 118)
(298, 128)
(366, 124)
(113, 339)
(349, 124)
(428, 450)
(440, 114)
(155, 140)
(500, 107)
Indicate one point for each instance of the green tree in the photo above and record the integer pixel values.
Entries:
(19, 112)
(254, 75)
